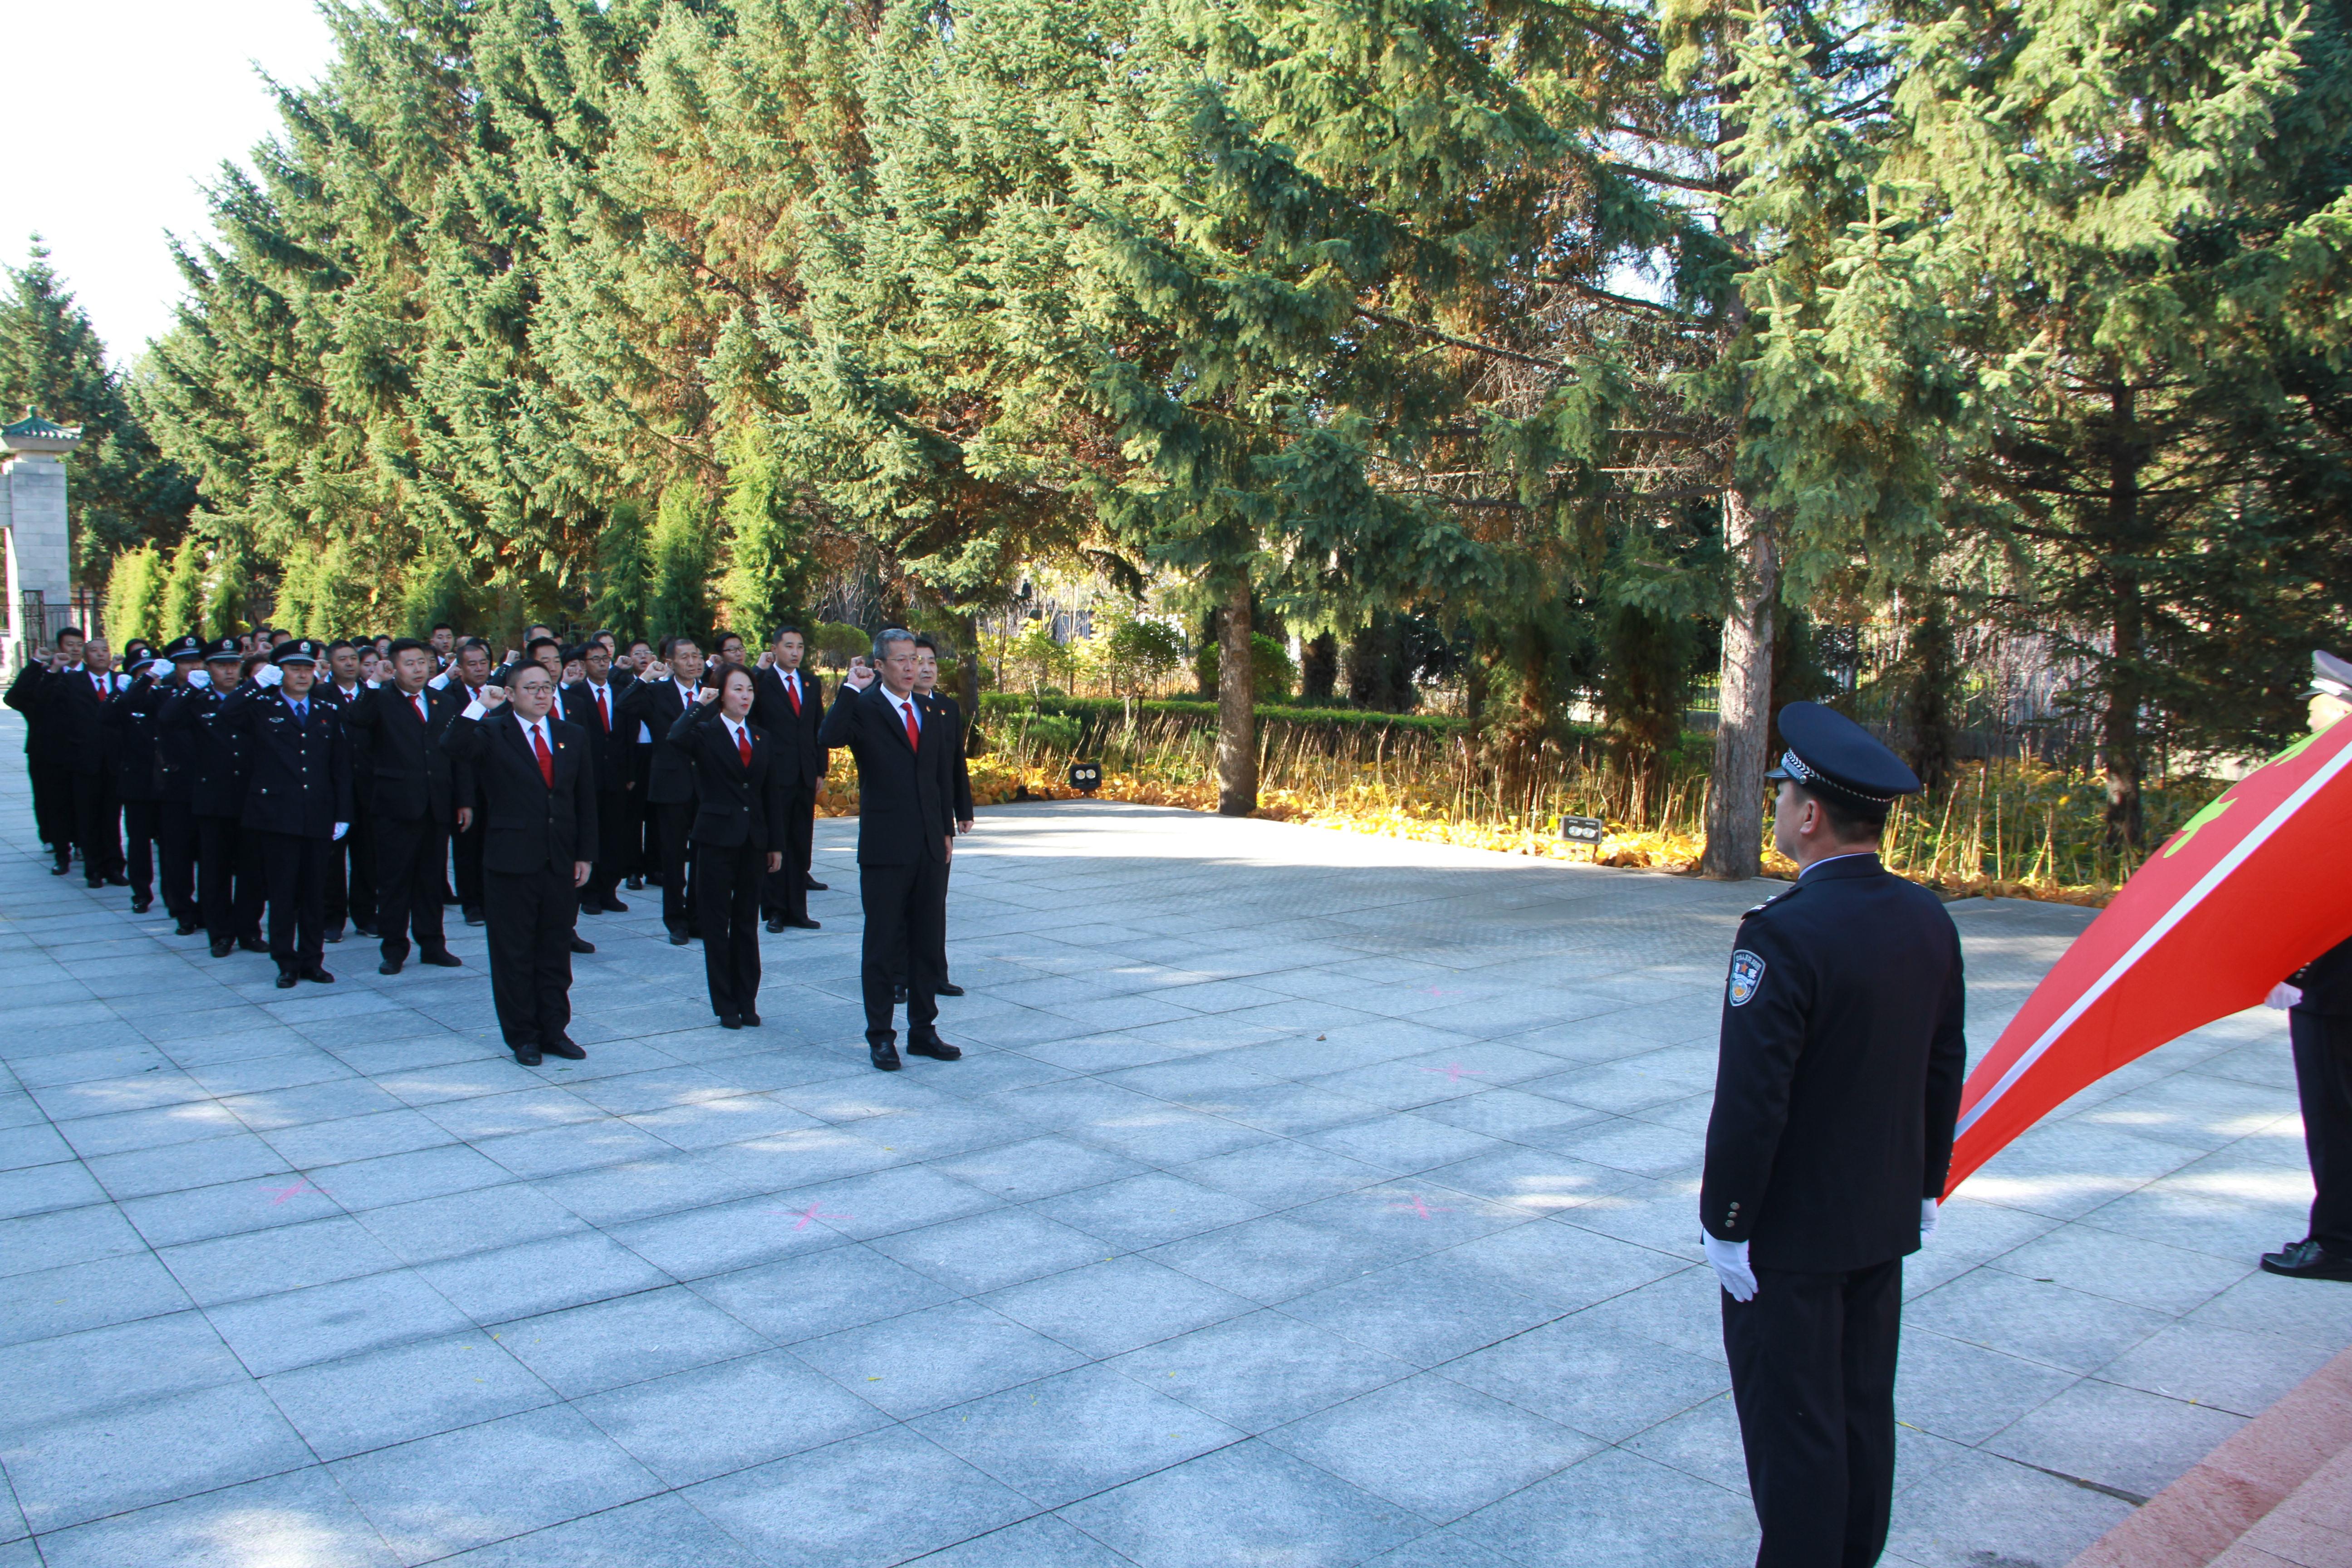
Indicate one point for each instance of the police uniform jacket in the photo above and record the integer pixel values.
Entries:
(1839, 1075)
(300, 779)
(130, 721)
(528, 826)
(401, 760)
(2327, 982)
(658, 705)
(905, 794)
(25, 696)
(219, 756)
(800, 758)
(735, 804)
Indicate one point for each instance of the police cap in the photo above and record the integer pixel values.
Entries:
(190, 648)
(1831, 753)
(302, 650)
(2330, 677)
(223, 648)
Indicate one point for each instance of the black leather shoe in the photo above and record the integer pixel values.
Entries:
(885, 1054)
(813, 886)
(474, 918)
(441, 958)
(561, 1046)
(636, 884)
(93, 881)
(317, 972)
(730, 1020)
(775, 925)
(750, 1020)
(935, 1048)
(804, 925)
(614, 907)
(582, 944)
(678, 938)
(141, 906)
(61, 867)
(223, 949)
(335, 933)
(367, 930)
(252, 944)
(117, 879)
(287, 980)
(2306, 1259)
(527, 1055)
(948, 988)
(389, 967)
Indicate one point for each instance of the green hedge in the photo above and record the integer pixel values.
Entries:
(1097, 711)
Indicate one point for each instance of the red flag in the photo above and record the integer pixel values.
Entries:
(2250, 890)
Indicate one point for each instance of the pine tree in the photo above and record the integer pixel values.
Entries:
(621, 600)
(683, 553)
(134, 592)
(766, 584)
(182, 611)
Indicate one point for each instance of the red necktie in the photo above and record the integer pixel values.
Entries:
(914, 731)
(603, 718)
(743, 746)
(424, 709)
(793, 690)
(546, 758)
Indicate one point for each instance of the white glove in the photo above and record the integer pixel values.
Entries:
(1928, 1211)
(2283, 996)
(1729, 1262)
(269, 675)
(341, 828)
(373, 684)
(439, 682)
(200, 679)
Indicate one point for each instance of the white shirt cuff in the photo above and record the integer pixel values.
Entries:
(475, 709)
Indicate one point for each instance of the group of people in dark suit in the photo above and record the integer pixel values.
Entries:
(298, 786)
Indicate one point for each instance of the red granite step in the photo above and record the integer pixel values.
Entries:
(2278, 1494)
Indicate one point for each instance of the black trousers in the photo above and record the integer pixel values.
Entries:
(228, 886)
(465, 851)
(676, 821)
(611, 848)
(727, 903)
(903, 906)
(143, 825)
(408, 861)
(295, 869)
(531, 914)
(351, 875)
(175, 841)
(785, 893)
(53, 807)
(97, 826)
(1813, 1376)
(2323, 1081)
(643, 848)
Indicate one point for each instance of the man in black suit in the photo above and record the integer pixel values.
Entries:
(175, 835)
(215, 757)
(411, 793)
(789, 707)
(906, 837)
(72, 696)
(658, 700)
(594, 704)
(45, 759)
(642, 842)
(472, 673)
(298, 800)
(1837, 1084)
(738, 831)
(129, 722)
(350, 867)
(934, 701)
(541, 788)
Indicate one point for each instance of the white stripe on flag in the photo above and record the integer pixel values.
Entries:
(2157, 932)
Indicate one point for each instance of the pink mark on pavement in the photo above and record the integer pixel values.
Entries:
(1455, 1072)
(1437, 991)
(813, 1212)
(1415, 1205)
(300, 1188)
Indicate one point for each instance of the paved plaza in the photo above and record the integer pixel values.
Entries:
(1304, 1200)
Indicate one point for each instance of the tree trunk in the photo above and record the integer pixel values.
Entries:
(969, 674)
(2119, 733)
(1236, 715)
(1735, 819)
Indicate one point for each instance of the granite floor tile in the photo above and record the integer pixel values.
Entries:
(827, 1293)
(1042, 1541)
(940, 1356)
(137, 1455)
(2119, 1437)
(815, 1510)
(584, 1350)
(1260, 1370)
(1025, 1435)
(536, 1277)
(286, 1257)
(1426, 1311)
(59, 1237)
(729, 1416)
(80, 1295)
(1590, 1377)
(1249, 1500)
(125, 1365)
(383, 1398)
(299, 1517)
(1434, 1446)
(1617, 1509)
(658, 1530)
(1118, 1304)
(328, 1322)
(989, 1251)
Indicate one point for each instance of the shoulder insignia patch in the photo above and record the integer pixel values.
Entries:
(1746, 977)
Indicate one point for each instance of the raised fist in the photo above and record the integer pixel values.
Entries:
(860, 676)
(706, 695)
(494, 696)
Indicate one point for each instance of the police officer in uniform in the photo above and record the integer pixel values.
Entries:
(214, 757)
(2318, 999)
(1837, 1084)
(176, 833)
(129, 720)
(298, 800)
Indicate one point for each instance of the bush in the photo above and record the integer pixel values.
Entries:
(835, 643)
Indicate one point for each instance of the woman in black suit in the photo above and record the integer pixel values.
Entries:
(738, 834)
